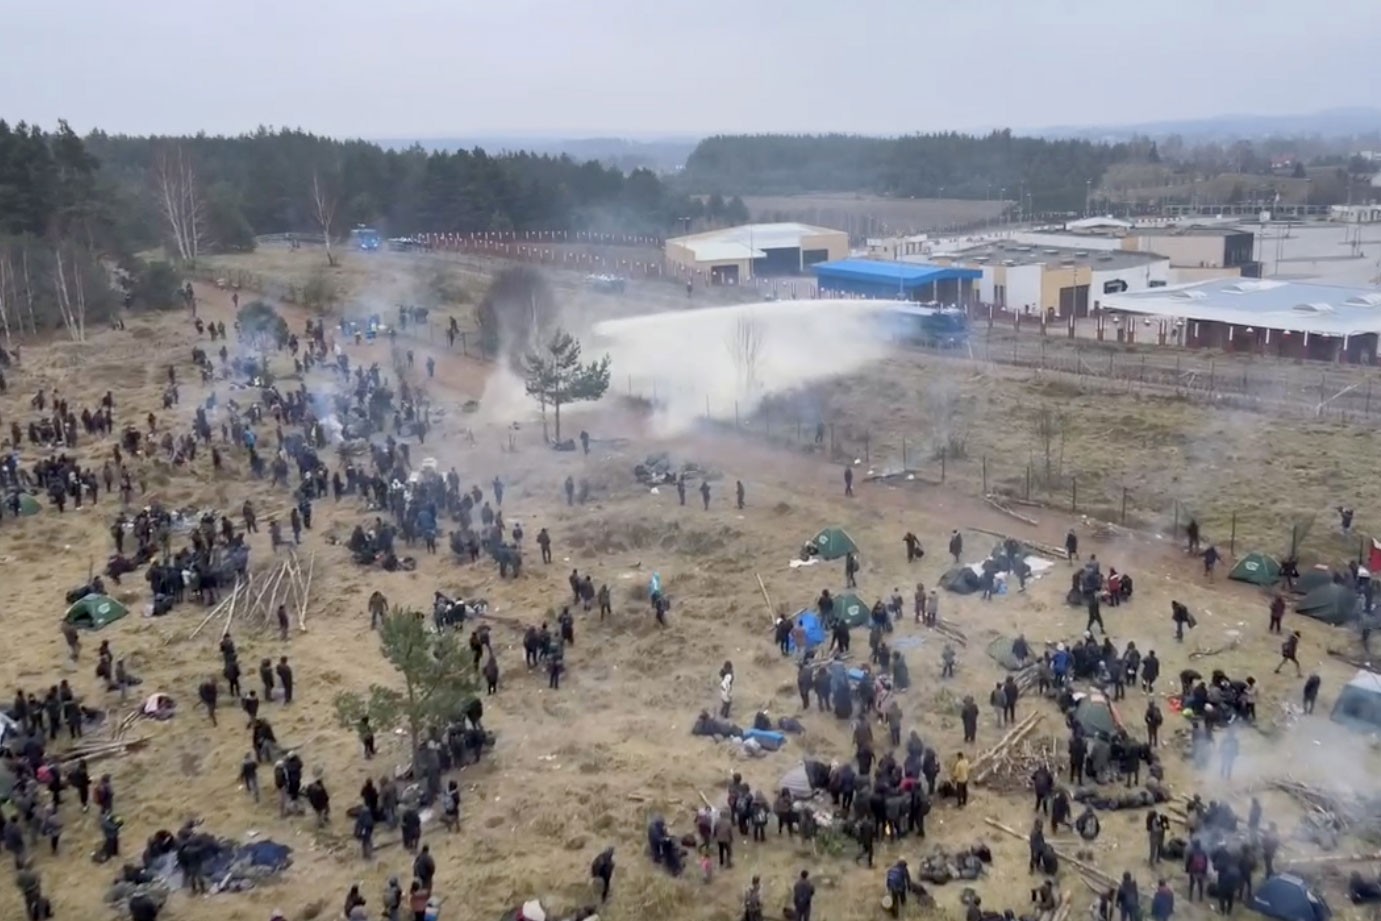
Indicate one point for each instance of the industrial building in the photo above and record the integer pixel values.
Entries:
(1197, 252)
(1263, 316)
(1055, 281)
(911, 281)
(735, 255)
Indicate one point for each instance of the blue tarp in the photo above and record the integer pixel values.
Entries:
(809, 622)
(768, 739)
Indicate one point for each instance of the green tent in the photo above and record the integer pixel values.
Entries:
(1256, 568)
(833, 544)
(28, 505)
(851, 609)
(95, 611)
(1332, 603)
(1314, 578)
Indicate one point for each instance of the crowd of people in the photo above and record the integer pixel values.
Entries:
(880, 795)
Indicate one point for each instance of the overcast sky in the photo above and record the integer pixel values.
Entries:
(434, 68)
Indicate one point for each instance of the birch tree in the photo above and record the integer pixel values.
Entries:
(745, 349)
(71, 295)
(6, 294)
(324, 205)
(180, 201)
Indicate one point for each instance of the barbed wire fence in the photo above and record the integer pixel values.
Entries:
(1022, 488)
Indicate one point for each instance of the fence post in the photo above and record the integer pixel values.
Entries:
(985, 474)
(834, 445)
(1143, 369)
(1028, 481)
(1212, 374)
(1124, 505)
(1111, 357)
(1232, 537)
(1366, 407)
(903, 453)
(867, 447)
(943, 452)
(1175, 528)
(1323, 388)
(1177, 375)
(1074, 494)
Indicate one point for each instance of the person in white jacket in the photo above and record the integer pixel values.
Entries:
(726, 689)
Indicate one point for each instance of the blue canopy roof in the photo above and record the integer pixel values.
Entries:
(907, 274)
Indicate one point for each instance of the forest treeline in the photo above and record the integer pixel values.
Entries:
(74, 210)
(1056, 174)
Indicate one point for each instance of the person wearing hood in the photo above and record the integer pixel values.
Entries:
(602, 869)
(393, 899)
(1163, 902)
(898, 884)
(726, 689)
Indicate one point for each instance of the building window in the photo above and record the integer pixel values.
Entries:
(1116, 286)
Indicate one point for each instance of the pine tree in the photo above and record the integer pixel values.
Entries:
(555, 376)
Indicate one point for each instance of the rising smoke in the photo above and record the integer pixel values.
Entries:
(724, 361)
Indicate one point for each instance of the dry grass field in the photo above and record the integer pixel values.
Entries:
(1084, 446)
(582, 768)
(872, 215)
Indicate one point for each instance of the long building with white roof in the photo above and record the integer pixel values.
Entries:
(1291, 319)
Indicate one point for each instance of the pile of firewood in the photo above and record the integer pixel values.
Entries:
(258, 597)
(1000, 758)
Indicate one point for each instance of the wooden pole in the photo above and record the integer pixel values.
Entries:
(1063, 855)
(217, 609)
(306, 592)
(771, 611)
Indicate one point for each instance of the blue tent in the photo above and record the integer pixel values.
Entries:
(809, 622)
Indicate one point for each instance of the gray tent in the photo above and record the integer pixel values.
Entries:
(1332, 603)
(1359, 703)
(1001, 652)
(1096, 715)
(797, 781)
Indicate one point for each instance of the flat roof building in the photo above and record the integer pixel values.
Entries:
(1266, 316)
(912, 281)
(733, 255)
(1055, 281)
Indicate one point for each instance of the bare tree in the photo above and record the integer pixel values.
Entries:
(1050, 428)
(29, 292)
(180, 202)
(71, 296)
(6, 293)
(745, 349)
(324, 204)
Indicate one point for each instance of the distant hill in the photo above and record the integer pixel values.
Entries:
(1329, 123)
(662, 155)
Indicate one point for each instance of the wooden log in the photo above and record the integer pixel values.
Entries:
(1012, 735)
(1091, 870)
(1330, 858)
(1006, 511)
(217, 609)
(1004, 748)
(771, 611)
(306, 593)
(1040, 547)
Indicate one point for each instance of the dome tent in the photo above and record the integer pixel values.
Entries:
(1256, 568)
(95, 612)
